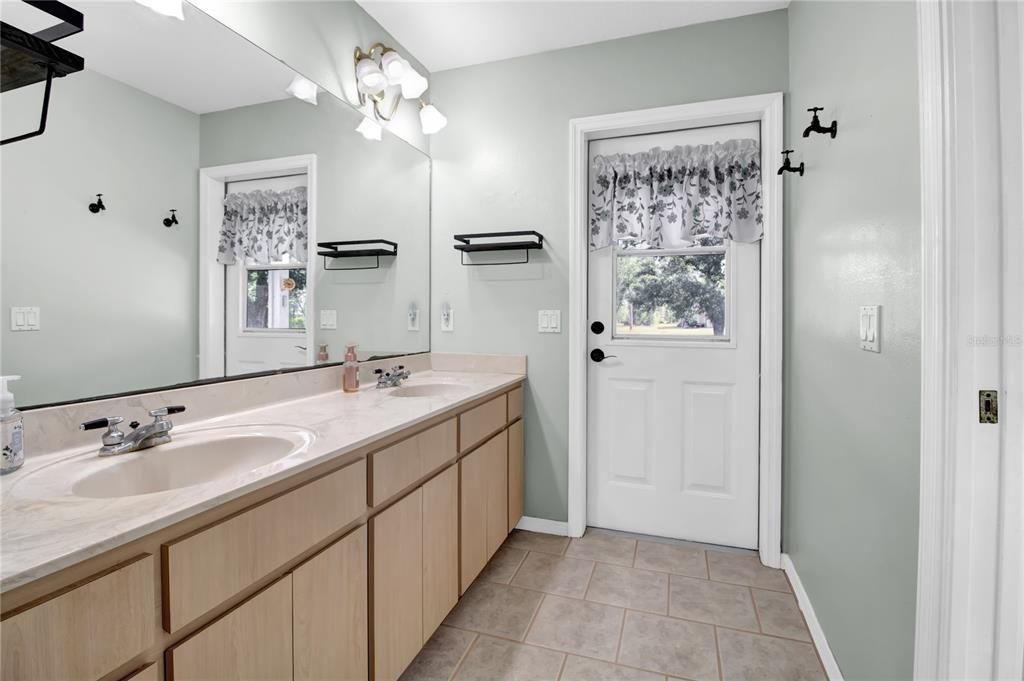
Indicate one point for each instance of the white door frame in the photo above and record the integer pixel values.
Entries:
(211, 277)
(970, 615)
(767, 109)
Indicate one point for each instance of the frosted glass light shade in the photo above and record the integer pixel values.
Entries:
(303, 88)
(413, 84)
(370, 129)
(395, 68)
(169, 8)
(431, 120)
(370, 78)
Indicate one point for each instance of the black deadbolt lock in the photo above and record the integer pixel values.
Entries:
(597, 327)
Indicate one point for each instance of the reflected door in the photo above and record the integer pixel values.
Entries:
(265, 305)
(673, 387)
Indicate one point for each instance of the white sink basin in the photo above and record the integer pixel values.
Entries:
(427, 390)
(191, 458)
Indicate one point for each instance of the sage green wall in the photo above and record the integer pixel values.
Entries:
(119, 273)
(851, 435)
(502, 163)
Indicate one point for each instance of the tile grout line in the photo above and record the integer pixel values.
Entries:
(622, 633)
(561, 668)
(533, 617)
(757, 613)
(458, 666)
(590, 580)
(718, 656)
(518, 568)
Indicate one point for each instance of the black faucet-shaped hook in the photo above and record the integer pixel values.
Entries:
(816, 125)
(788, 167)
(97, 206)
(173, 220)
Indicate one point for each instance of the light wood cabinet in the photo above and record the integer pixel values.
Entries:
(515, 474)
(478, 423)
(440, 548)
(515, 404)
(147, 673)
(255, 542)
(397, 586)
(484, 513)
(329, 612)
(85, 632)
(253, 642)
(396, 467)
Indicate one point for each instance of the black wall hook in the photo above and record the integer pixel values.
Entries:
(816, 125)
(788, 167)
(98, 205)
(173, 220)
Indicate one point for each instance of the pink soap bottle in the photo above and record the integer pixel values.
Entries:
(350, 371)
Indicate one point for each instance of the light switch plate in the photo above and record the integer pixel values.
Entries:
(549, 321)
(24, 319)
(413, 318)
(328, 319)
(870, 331)
(447, 318)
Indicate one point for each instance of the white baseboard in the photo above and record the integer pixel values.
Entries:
(832, 670)
(559, 527)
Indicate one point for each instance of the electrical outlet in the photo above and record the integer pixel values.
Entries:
(447, 318)
(413, 318)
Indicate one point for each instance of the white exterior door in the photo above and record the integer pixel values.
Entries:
(673, 407)
(266, 325)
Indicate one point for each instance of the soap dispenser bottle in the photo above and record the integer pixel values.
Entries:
(350, 370)
(11, 429)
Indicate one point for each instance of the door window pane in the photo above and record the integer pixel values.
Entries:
(275, 299)
(671, 296)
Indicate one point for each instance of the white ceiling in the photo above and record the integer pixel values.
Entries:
(197, 64)
(447, 35)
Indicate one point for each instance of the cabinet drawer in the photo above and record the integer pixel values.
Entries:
(477, 424)
(86, 632)
(515, 404)
(398, 466)
(253, 641)
(206, 568)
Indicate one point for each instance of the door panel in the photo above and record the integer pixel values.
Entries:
(673, 408)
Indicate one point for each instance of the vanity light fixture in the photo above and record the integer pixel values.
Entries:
(304, 89)
(168, 8)
(370, 129)
(431, 120)
(381, 68)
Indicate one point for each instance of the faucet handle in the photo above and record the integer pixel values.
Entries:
(816, 109)
(166, 411)
(113, 436)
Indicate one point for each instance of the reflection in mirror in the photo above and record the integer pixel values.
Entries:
(187, 116)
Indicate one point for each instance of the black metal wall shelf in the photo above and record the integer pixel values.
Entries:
(522, 240)
(366, 248)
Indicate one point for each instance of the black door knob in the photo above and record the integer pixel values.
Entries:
(597, 327)
(597, 354)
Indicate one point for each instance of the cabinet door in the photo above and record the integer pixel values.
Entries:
(440, 548)
(473, 516)
(496, 450)
(330, 612)
(253, 642)
(515, 473)
(397, 586)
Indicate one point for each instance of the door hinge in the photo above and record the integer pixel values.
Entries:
(988, 406)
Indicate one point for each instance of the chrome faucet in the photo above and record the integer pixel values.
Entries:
(391, 378)
(115, 441)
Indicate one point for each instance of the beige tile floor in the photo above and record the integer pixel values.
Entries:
(616, 607)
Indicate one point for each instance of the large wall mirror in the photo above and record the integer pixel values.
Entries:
(117, 293)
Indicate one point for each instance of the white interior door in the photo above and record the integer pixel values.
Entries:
(673, 408)
(265, 305)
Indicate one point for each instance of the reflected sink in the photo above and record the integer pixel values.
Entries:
(427, 390)
(192, 458)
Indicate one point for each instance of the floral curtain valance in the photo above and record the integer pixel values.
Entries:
(685, 196)
(262, 227)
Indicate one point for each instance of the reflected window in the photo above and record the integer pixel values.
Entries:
(275, 299)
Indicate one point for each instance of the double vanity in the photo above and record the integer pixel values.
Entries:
(325, 536)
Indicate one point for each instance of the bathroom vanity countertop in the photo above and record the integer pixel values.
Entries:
(41, 535)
